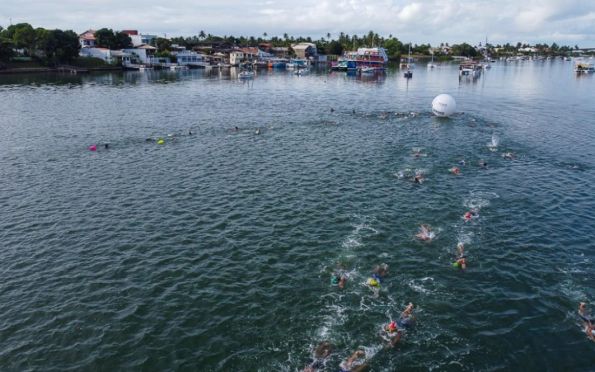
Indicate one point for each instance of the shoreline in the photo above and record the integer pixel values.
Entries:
(32, 70)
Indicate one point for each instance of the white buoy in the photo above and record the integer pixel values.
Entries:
(444, 105)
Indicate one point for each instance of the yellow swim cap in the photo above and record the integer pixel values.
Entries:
(160, 141)
(373, 282)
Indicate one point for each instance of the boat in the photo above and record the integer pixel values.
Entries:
(175, 67)
(431, 64)
(408, 74)
(364, 57)
(470, 69)
(246, 74)
(581, 67)
(367, 70)
(408, 63)
(296, 64)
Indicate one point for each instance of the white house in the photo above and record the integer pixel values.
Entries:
(236, 57)
(190, 58)
(87, 39)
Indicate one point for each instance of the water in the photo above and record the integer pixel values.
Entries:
(214, 250)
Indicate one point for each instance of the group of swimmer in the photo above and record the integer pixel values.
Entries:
(391, 333)
(588, 321)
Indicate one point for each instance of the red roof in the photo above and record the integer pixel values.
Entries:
(130, 32)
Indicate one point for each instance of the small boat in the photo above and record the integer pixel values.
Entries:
(408, 74)
(582, 67)
(431, 64)
(246, 75)
(367, 70)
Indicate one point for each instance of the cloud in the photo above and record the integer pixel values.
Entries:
(419, 21)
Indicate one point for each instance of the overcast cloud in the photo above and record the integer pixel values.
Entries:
(420, 21)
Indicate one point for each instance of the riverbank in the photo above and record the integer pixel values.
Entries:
(79, 65)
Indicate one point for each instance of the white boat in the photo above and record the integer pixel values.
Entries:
(178, 67)
(367, 70)
(246, 75)
(431, 64)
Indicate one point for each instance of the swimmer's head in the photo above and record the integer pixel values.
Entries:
(392, 326)
(373, 282)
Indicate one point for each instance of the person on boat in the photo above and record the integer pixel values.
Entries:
(455, 170)
(425, 233)
(321, 354)
(461, 261)
(355, 363)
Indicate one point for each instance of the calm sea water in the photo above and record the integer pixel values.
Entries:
(214, 251)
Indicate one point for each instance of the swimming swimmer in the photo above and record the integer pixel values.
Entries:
(339, 279)
(332, 109)
(106, 146)
(190, 132)
(407, 319)
(321, 353)
(355, 363)
(455, 170)
(419, 178)
(473, 213)
(461, 261)
(393, 333)
(257, 131)
(483, 164)
(425, 233)
(582, 312)
(462, 162)
(508, 155)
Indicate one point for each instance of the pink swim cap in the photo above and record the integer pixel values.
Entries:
(93, 148)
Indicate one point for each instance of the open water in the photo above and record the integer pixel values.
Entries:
(214, 251)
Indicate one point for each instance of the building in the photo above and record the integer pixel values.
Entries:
(146, 55)
(305, 50)
(139, 39)
(87, 39)
(236, 57)
(190, 58)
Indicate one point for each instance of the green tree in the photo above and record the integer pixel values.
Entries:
(202, 35)
(105, 38)
(163, 44)
(58, 46)
(393, 48)
(464, 49)
(122, 41)
(335, 48)
(6, 50)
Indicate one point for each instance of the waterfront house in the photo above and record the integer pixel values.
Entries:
(87, 39)
(140, 39)
(236, 57)
(146, 55)
(190, 58)
(305, 50)
(280, 52)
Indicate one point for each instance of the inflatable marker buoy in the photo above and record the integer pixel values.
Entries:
(444, 105)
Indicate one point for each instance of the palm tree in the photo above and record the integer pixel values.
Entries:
(202, 34)
(328, 36)
(265, 35)
(285, 36)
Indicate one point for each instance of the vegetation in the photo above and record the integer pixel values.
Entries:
(106, 38)
(47, 47)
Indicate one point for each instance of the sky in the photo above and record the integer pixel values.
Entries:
(566, 22)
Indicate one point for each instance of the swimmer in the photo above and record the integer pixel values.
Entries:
(378, 274)
(190, 132)
(417, 152)
(461, 261)
(353, 111)
(483, 164)
(455, 170)
(356, 362)
(462, 162)
(582, 312)
(419, 178)
(383, 115)
(590, 331)
(473, 213)
(508, 155)
(425, 233)
(149, 140)
(106, 146)
(339, 280)
(393, 333)
(321, 353)
(332, 109)
(257, 132)
(407, 319)
(236, 129)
